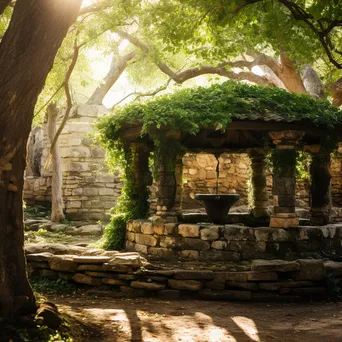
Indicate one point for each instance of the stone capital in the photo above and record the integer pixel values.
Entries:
(286, 137)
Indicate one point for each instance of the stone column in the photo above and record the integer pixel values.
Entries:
(179, 185)
(167, 179)
(258, 180)
(141, 173)
(284, 178)
(320, 188)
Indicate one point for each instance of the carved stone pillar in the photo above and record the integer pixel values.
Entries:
(179, 185)
(258, 180)
(320, 188)
(142, 177)
(284, 178)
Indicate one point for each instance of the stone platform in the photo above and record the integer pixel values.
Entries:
(130, 275)
(206, 241)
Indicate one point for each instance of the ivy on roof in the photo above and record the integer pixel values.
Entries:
(190, 110)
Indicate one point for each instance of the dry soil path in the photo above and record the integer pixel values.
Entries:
(150, 319)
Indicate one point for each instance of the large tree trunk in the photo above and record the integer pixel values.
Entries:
(27, 51)
(57, 214)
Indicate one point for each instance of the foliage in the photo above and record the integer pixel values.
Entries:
(133, 202)
(46, 285)
(190, 110)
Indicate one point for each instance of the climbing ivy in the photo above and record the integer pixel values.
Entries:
(187, 112)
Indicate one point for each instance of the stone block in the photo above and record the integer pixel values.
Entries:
(159, 229)
(167, 241)
(84, 279)
(309, 270)
(333, 267)
(91, 259)
(210, 233)
(90, 267)
(238, 233)
(49, 274)
(262, 234)
(170, 228)
(147, 228)
(39, 257)
(63, 263)
(140, 248)
(189, 254)
(279, 235)
(274, 266)
(130, 236)
(127, 259)
(215, 285)
(191, 243)
(231, 276)
(220, 255)
(163, 253)
(106, 192)
(112, 281)
(219, 245)
(147, 240)
(284, 222)
(91, 191)
(195, 275)
(262, 276)
(188, 230)
(269, 286)
(189, 285)
(240, 285)
(147, 286)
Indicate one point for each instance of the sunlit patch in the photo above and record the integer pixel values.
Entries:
(248, 326)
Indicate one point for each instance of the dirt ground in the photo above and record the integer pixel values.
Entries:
(149, 319)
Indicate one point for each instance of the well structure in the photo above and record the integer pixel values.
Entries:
(267, 137)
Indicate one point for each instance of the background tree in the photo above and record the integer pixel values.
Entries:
(27, 50)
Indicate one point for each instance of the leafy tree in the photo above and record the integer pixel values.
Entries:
(27, 50)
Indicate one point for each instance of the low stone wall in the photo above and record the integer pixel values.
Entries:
(89, 191)
(231, 242)
(129, 275)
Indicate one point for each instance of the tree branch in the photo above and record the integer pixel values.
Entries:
(139, 94)
(118, 65)
(68, 96)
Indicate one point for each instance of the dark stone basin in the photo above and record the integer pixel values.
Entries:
(217, 206)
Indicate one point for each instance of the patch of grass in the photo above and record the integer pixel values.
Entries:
(45, 285)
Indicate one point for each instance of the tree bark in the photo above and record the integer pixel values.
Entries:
(57, 214)
(27, 52)
(117, 67)
(337, 92)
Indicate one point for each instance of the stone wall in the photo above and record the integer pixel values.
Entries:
(89, 191)
(231, 242)
(129, 275)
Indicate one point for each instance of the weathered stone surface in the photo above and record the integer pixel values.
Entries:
(127, 259)
(190, 285)
(278, 235)
(162, 253)
(159, 229)
(97, 274)
(274, 266)
(245, 286)
(63, 263)
(43, 264)
(188, 230)
(49, 316)
(147, 286)
(192, 243)
(333, 267)
(90, 229)
(167, 241)
(39, 257)
(147, 240)
(189, 254)
(310, 270)
(210, 234)
(225, 295)
(220, 255)
(147, 228)
(262, 234)
(91, 259)
(232, 276)
(141, 248)
(130, 292)
(215, 285)
(90, 267)
(269, 286)
(259, 276)
(112, 281)
(84, 279)
(284, 222)
(237, 233)
(49, 274)
(189, 274)
(219, 245)
(54, 248)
